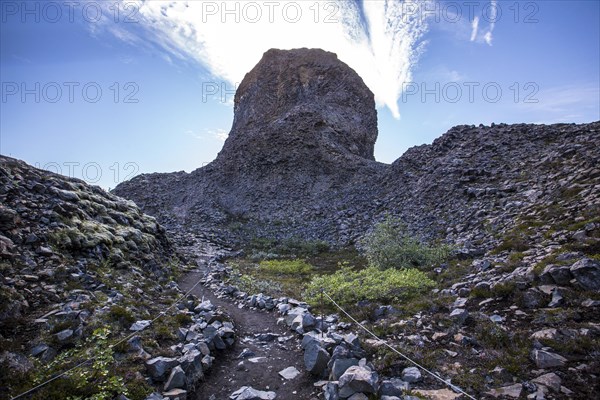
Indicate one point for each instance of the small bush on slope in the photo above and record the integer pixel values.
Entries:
(390, 246)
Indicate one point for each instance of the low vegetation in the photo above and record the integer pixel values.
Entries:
(348, 286)
(285, 267)
(390, 246)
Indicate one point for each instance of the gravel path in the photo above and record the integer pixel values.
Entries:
(228, 375)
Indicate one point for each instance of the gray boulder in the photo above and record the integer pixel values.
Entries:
(315, 359)
(249, 393)
(340, 366)
(546, 359)
(358, 379)
(587, 273)
(411, 375)
(393, 387)
(176, 379)
(159, 367)
(191, 363)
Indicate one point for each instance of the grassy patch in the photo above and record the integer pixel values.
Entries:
(347, 286)
(264, 248)
(285, 267)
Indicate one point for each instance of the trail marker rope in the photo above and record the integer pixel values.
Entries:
(436, 376)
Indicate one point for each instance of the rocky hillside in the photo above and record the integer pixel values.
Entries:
(82, 273)
(514, 314)
(299, 163)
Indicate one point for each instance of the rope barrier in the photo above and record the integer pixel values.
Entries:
(81, 364)
(436, 376)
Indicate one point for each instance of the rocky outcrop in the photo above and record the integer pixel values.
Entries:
(78, 268)
(302, 139)
(58, 232)
(299, 163)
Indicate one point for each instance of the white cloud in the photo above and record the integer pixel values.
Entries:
(475, 27)
(380, 40)
(216, 134)
(488, 38)
(493, 15)
(490, 14)
(220, 134)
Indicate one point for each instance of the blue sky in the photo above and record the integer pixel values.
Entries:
(104, 90)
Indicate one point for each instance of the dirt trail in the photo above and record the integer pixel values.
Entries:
(227, 376)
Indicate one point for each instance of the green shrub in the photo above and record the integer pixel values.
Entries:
(347, 287)
(98, 379)
(285, 267)
(121, 315)
(390, 246)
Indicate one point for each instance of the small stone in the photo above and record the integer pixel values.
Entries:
(358, 379)
(39, 349)
(440, 394)
(246, 353)
(289, 373)
(546, 359)
(176, 379)
(393, 387)
(358, 396)
(176, 394)
(513, 391)
(315, 359)
(459, 314)
(64, 335)
(249, 393)
(557, 299)
(590, 303)
(340, 366)
(139, 325)
(331, 391)
(411, 375)
(496, 318)
(587, 273)
(551, 381)
(159, 367)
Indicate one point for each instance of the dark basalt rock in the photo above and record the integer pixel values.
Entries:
(299, 163)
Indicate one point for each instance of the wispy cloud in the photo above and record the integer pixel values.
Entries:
(488, 37)
(558, 103)
(380, 40)
(475, 28)
(481, 34)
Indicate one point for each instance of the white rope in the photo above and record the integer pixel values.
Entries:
(436, 376)
(160, 315)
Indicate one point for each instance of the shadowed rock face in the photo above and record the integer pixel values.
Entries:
(301, 118)
(305, 98)
(303, 135)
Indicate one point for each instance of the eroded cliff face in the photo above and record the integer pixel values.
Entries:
(302, 139)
